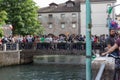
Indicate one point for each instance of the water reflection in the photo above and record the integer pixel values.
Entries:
(43, 72)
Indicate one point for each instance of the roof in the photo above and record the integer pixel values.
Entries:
(61, 8)
(53, 4)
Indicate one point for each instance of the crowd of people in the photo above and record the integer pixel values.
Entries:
(52, 39)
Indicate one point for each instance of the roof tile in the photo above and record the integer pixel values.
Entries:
(61, 8)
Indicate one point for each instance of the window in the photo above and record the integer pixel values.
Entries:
(50, 25)
(70, 5)
(73, 15)
(50, 15)
(62, 15)
(74, 25)
(62, 25)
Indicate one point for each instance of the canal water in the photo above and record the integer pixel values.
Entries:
(43, 72)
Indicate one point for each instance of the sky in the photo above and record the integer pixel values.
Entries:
(44, 3)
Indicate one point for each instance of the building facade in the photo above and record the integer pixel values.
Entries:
(61, 18)
(99, 16)
(118, 20)
(70, 17)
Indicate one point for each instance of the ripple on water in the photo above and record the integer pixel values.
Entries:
(42, 72)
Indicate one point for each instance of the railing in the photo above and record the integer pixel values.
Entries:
(6, 47)
(101, 70)
(46, 45)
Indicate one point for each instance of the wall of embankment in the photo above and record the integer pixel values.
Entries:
(8, 58)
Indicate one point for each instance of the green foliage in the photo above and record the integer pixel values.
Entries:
(1, 32)
(3, 17)
(39, 30)
(22, 14)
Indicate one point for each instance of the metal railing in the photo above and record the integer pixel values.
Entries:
(65, 46)
(101, 70)
(5, 47)
(45, 45)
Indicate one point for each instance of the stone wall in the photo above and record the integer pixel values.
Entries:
(59, 59)
(26, 56)
(28, 53)
(9, 58)
(108, 72)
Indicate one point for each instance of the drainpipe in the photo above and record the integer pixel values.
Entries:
(88, 41)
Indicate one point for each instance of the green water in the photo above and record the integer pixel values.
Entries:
(43, 72)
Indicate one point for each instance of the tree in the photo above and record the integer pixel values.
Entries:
(3, 18)
(1, 32)
(39, 30)
(22, 14)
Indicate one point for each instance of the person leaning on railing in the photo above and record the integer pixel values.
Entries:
(115, 46)
(110, 41)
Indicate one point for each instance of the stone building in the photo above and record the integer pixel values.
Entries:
(61, 18)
